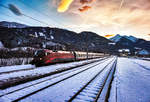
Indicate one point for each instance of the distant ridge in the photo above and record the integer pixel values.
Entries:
(130, 42)
(118, 37)
(32, 36)
(45, 37)
(12, 24)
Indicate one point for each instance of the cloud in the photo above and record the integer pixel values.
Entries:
(133, 18)
(109, 35)
(14, 9)
(64, 5)
(86, 1)
(84, 8)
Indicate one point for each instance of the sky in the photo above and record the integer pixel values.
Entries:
(104, 17)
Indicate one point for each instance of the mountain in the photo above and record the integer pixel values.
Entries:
(46, 37)
(132, 38)
(118, 37)
(130, 42)
(141, 43)
(125, 43)
(12, 24)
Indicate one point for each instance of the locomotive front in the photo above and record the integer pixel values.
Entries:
(38, 57)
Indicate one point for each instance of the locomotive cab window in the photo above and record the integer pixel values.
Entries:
(47, 53)
(39, 53)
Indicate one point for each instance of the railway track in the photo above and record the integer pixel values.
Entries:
(25, 69)
(92, 91)
(41, 85)
(20, 79)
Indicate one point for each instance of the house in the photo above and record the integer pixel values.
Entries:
(143, 53)
(124, 52)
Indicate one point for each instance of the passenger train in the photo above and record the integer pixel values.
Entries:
(45, 57)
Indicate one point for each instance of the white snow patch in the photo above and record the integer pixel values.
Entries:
(36, 35)
(15, 67)
(93, 44)
(52, 37)
(51, 43)
(1, 45)
(41, 34)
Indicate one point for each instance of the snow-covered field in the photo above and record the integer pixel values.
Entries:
(146, 59)
(15, 68)
(132, 81)
(143, 63)
(130, 84)
(90, 73)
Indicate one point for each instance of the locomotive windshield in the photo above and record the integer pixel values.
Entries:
(40, 53)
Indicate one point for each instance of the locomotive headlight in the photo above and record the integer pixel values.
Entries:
(40, 58)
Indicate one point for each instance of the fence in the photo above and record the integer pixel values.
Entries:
(14, 61)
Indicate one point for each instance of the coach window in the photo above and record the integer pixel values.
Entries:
(47, 53)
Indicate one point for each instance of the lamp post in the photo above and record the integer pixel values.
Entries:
(86, 44)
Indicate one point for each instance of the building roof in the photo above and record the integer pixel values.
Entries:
(143, 52)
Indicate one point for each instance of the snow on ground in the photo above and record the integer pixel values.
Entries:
(41, 34)
(103, 95)
(46, 78)
(35, 87)
(15, 67)
(143, 63)
(131, 82)
(41, 70)
(148, 59)
(88, 94)
(64, 90)
(1, 45)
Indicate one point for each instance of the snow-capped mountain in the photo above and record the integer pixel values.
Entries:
(12, 24)
(130, 42)
(118, 37)
(132, 38)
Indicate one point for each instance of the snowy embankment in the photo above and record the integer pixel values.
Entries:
(14, 61)
(7, 79)
(142, 58)
(131, 82)
(146, 59)
(15, 68)
(143, 63)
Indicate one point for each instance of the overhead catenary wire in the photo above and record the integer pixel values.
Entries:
(22, 14)
(38, 11)
(15, 18)
(121, 4)
(8, 15)
(3, 6)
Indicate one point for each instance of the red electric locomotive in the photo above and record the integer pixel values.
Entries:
(45, 57)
